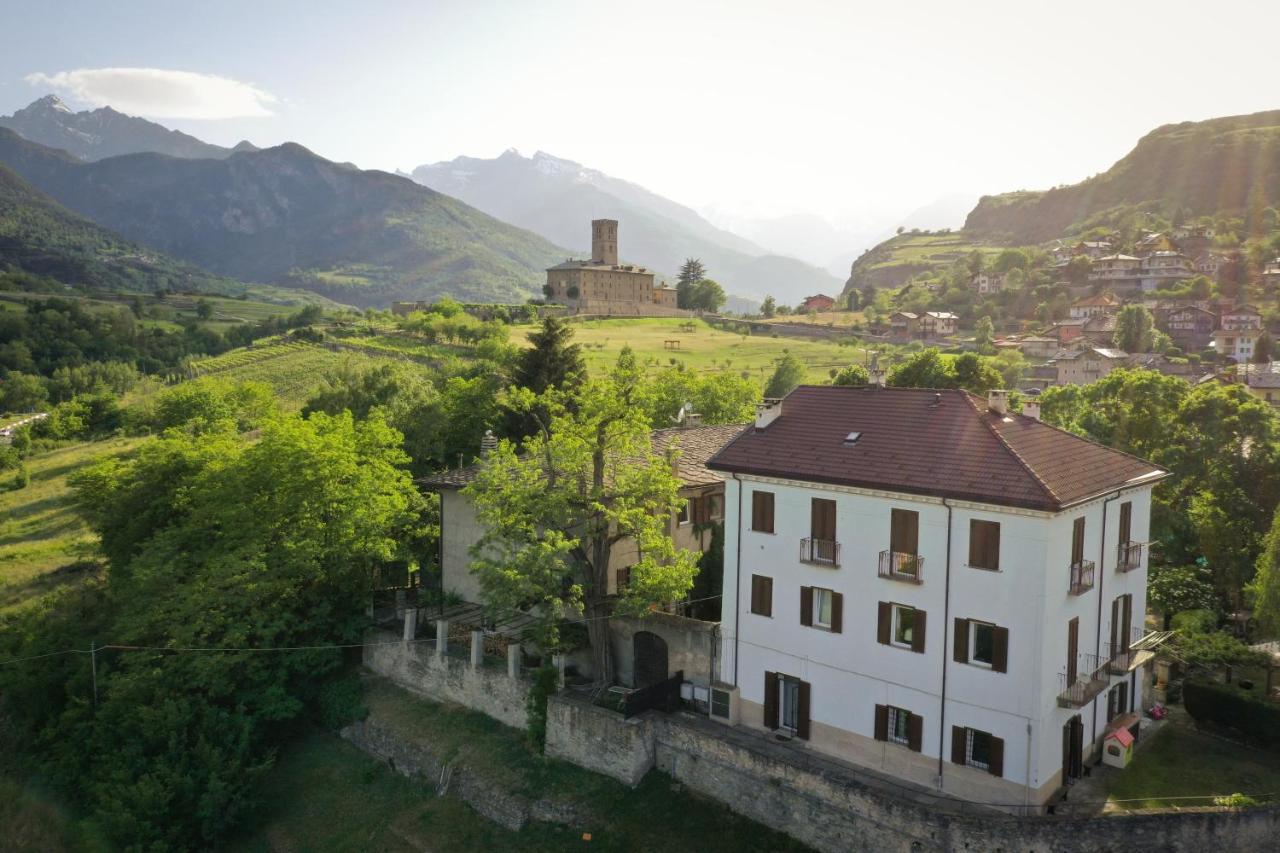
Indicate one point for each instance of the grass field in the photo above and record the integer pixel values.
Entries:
(705, 349)
(823, 318)
(41, 535)
(1184, 763)
(293, 369)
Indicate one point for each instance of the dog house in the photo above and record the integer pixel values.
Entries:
(1117, 748)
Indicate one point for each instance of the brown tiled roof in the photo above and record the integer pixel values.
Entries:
(697, 445)
(938, 443)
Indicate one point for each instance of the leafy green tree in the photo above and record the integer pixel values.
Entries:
(1263, 349)
(1266, 583)
(204, 309)
(787, 374)
(552, 515)
(974, 373)
(1134, 326)
(925, 369)
(552, 360)
(984, 336)
(22, 392)
(721, 398)
(707, 296)
(1010, 259)
(691, 272)
(854, 374)
(769, 307)
(1176, 589)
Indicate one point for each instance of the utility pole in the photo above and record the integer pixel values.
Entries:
(93, 663)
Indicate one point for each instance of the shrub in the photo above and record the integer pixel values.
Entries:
(1226, 707)
(544, 684)
(340, 702)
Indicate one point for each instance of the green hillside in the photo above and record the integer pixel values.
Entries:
(39, 236)
(287, 216)
(1223, 166)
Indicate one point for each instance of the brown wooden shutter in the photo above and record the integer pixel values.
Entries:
(884, 623)
(1111, 705)
(1073, 649)
(768, 511)
(984, 544)
(904, 531)
(1126, 622)
(1126, 522)
(761, 595)
(837, 612)
(623, 578)
(917, 632)
(957, 745)
(802, 711)
(762, 511)
(1000, 654)
(823, 519)
(1115, 622)
(977, 547)
(806, 605)
(915, 732)
(771, 700)
(995, 761)
(882, 722)
(1077, 541)
(961, 651)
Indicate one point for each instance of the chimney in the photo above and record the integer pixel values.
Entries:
(768, 412)
(488, 444)
(1031, 408)
(998, 402)
(693, 419)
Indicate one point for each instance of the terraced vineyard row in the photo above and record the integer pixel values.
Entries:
(293, 369)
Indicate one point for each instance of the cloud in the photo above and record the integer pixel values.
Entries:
(160, 93)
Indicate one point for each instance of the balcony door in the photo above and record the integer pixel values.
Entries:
(822, 524)
(904, 532)
(1072, 749)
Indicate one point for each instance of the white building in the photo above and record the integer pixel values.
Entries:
(924, 584)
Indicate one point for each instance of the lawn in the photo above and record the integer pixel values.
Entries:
(325, 795)
(1184, 763)
(705, 349)
(41, 536)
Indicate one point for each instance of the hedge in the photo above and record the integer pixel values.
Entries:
(1226, 707)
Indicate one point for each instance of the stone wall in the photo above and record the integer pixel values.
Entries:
(445, 678)
(599, 739)
(689, 645)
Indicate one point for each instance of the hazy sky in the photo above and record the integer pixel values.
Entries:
(850, 110)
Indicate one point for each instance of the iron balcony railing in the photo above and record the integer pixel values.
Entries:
(1128, 556)
(1081, 577)
(1120, 654)
(1075, 690)
(898, 566)
(824, 552)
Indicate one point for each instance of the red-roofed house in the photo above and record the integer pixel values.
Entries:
(819, 302)
(928, 584)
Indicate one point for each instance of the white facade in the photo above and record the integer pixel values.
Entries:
(851, 672)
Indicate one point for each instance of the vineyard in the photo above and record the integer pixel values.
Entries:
(293, 369)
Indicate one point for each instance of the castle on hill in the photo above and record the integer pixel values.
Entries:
(601, 285)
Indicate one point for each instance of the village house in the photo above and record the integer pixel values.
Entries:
(702, 489)
(1086, 364)
(987, 283)
(1188, 326)
(935, 324)
(1124, 271)
(1092, 249)
(1092, 306)
(904, 324)
(1164, 269)
(1155, 242)
(602, 285)
(1271, 274)
(1038, 346)
(1237, 345)
(1210, 263)
(926, 584)
(1241, 318)
(1262, 381)
(819, 302)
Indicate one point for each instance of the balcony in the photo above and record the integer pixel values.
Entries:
(896, 566)
(1128, 556)
(1122, 656)
(821, 552)
(1081, 577)
(1090, 680)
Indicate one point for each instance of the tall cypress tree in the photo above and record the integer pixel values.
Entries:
(552, 362)
(691, 272)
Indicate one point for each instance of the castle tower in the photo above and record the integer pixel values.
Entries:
(604, 241)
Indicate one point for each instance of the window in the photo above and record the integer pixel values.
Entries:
(762, 512)
(623, 579)
(821, 608)
(823, 520)
(982, 643)
(761, 595)
(715, 507)
(682, 516)
(977, 749)
(904, 625)
(898, 719)
(901, 626)
(904, 531)
(984, 544)
(786, 704)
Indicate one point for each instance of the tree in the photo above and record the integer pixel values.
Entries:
(769, 307)
(204, 309)
(586, 480)
(22, 392)
(854, 374)
(1134, 326)
(691, 272)
(1263, 349)
(1176, 589)
(551, 361)
(707, 296)
(925, 369)
(973, 373)
(984, 336)
(1266, 583)
(789, 372)
(1010, 259)
(721, 398)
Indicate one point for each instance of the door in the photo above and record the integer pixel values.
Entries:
(649, 652)
(789, 702)
(1072, 749)
(904, 531)
(823, 521)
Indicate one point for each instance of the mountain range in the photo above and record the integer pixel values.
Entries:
(1227, 165)
(558, 198)
(97, 134)
(287, 216)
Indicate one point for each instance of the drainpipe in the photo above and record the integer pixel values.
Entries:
(946, 621)
(1097, 646)
(737, 586)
